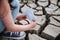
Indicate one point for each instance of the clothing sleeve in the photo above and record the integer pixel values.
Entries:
(15, 3)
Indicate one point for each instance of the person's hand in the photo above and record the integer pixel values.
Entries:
(29, 26)
(33, 24)
(21, 17)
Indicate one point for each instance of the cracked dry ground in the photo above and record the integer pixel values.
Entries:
(48, 19)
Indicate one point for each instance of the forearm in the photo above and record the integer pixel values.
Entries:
(19, 28)
(10, 26)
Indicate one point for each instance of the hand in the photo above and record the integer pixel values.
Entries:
(33, 24)
(21, 17)
(29, 26)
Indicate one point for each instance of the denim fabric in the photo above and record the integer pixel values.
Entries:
(14, 13)
(16, 10)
